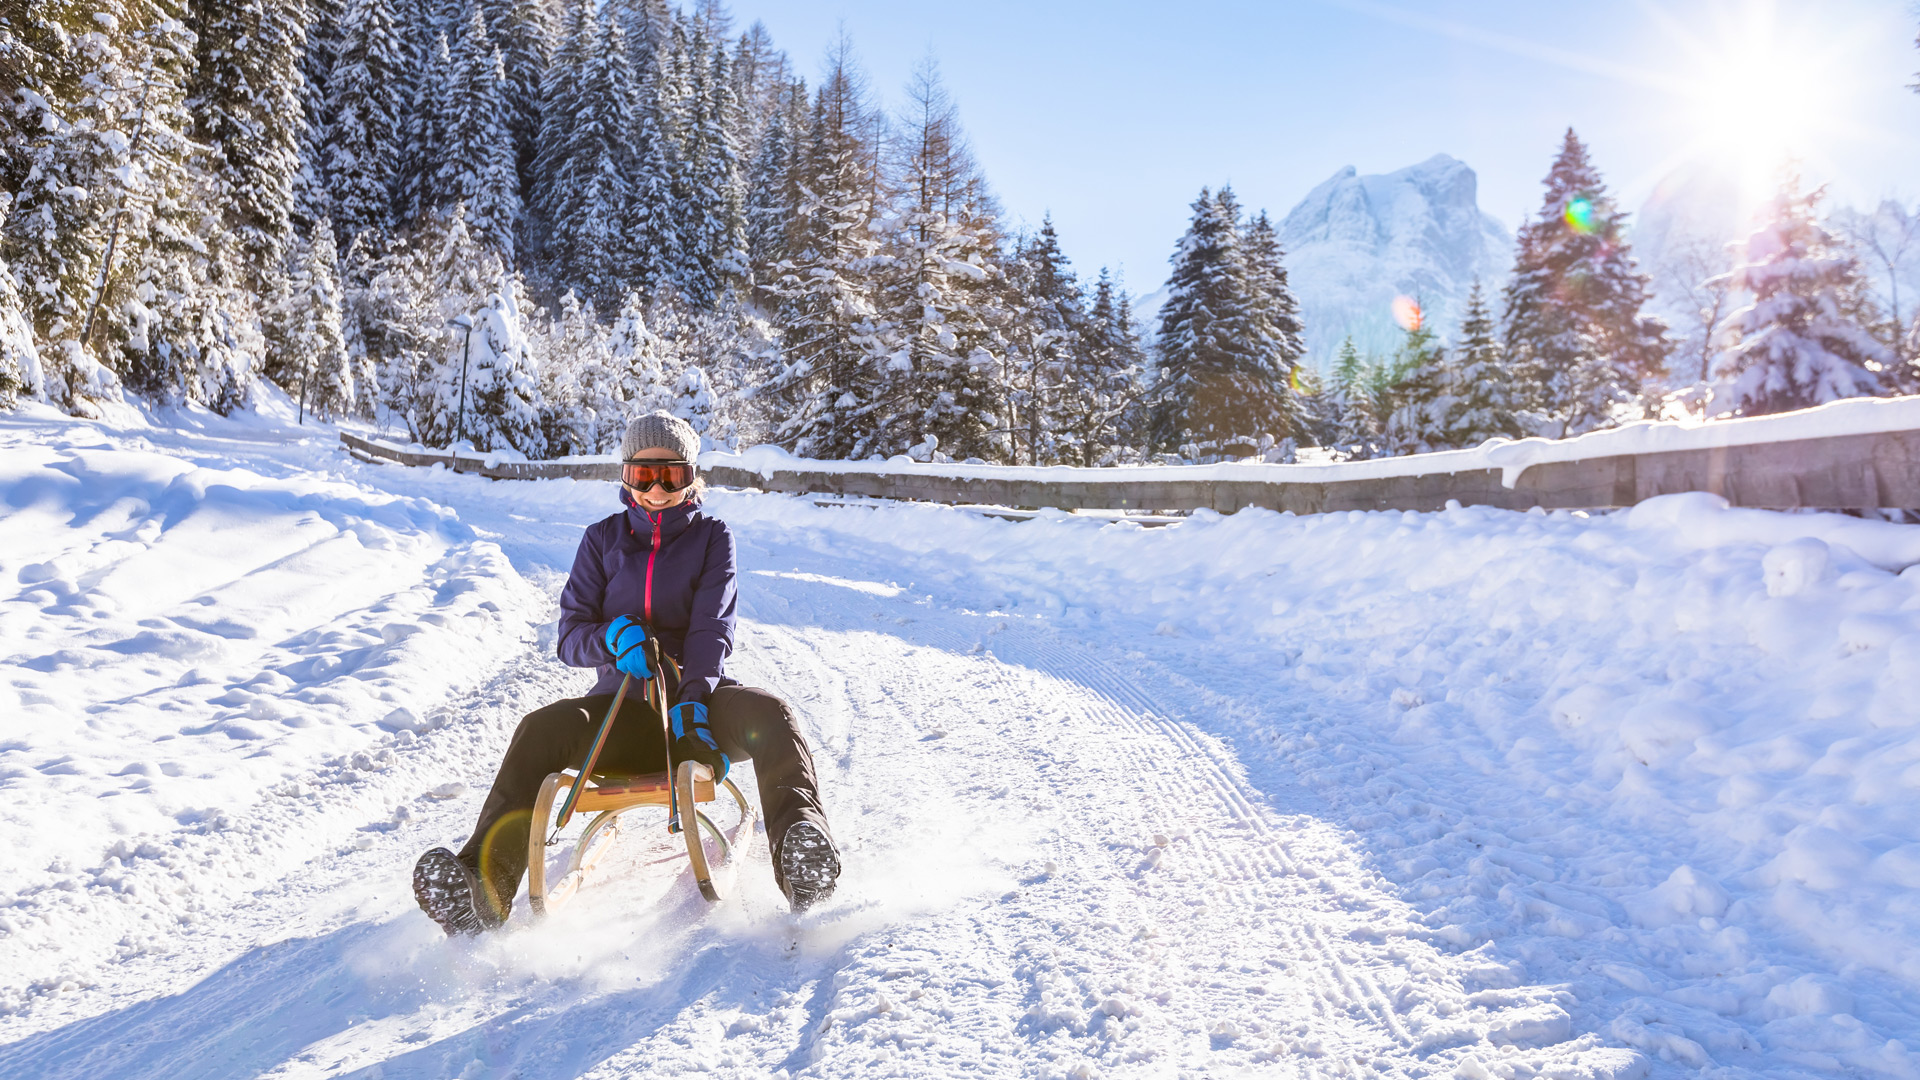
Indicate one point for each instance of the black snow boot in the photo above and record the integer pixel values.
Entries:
(807, 865)
(449, 892)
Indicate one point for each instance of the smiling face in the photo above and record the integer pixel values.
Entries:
(657, 498)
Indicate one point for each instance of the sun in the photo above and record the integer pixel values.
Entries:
(1762, 93)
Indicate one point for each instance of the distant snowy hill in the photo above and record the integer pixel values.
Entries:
(1355, 242)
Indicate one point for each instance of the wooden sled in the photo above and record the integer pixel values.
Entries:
(681, 791)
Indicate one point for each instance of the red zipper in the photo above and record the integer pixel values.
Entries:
(647, 612)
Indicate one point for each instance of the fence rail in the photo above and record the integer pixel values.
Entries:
(1845, 471)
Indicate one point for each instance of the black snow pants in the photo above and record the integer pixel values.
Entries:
(749, 724)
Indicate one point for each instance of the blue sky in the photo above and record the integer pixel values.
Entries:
(1111, 115)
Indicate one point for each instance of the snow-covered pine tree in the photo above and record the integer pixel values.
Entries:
(712, 225)
(645, 24)
(693, 400)
(638, 359)
(676, 98)
(245, 100)
(1906, 376)
(561, 100)
(1043, 342)
(1105, 376)
(584, 122)
(734, 346)
(577, 392)
(1795, 345)
(833, 341)
(1417, 397)
(314, 367)
(83, 172)
(699, 203)
(1129, 333)
(523, 32)
(1214, 390)
(358, 266)
(426, 180)
(453, 274)
(334, 391)
(769, 211)
(365, 126)
(163, 318)
(1318, 400)
(503, 387)
(1575, 333)
(310, 199)
(761, 77)
(479, 155)
(1274, 318)
(1479, 381)
(396, 325)
(1355, 410)
(940, 291)
(112, 235)
(195, 334)
(19, 357)
(652, 227)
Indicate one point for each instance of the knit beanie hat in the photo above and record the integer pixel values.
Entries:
(660, 429)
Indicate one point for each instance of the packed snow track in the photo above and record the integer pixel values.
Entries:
(1470, 794)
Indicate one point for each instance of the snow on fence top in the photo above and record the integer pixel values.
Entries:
(1857, 454)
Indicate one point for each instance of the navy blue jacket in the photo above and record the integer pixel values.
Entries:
(674, 571)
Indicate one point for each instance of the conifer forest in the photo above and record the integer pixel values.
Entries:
(514, 223)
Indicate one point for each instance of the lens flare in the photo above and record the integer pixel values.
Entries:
(1406, 312)
(1579, 215)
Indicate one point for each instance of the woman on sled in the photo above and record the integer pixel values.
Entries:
(659, 566)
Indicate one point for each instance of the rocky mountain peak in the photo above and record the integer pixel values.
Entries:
(1356, 242)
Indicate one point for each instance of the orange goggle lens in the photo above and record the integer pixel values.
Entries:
(670, 475)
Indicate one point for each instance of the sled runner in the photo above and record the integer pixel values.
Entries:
(681, 790)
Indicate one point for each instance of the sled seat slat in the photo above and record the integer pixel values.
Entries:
(649, 789)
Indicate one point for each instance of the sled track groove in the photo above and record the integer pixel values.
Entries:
(1155, 777)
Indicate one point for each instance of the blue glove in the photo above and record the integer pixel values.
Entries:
(693, 738)
(627, 640)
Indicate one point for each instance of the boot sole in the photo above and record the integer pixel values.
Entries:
(443, 888)
(808, 866)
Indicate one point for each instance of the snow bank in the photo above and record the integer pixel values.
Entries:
(180, 639)
(1860, 416)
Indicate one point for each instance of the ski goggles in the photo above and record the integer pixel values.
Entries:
(672, 476)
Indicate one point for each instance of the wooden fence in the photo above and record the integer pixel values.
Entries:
(1862, 471)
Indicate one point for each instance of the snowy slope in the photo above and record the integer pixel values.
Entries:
(1461, 794)
(1356, 242)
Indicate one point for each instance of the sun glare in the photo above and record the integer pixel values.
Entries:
(1762, 95)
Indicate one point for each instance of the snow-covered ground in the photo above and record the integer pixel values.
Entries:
(1468, 794)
